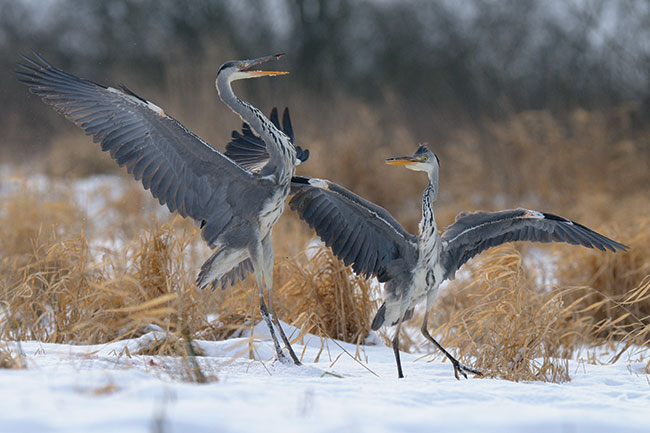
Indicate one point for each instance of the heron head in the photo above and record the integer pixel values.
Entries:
(422, 160)
(242, 69)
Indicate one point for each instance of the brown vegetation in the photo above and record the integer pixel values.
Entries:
(64, 278)
(10, 359)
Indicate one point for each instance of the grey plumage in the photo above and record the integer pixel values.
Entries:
(369, 239)
(473, 233)
(235, 207)
(179, 168)
(359, 232)
(248, 150)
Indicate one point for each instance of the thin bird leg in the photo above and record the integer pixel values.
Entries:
(259, 276)
(458, 367)
(274, 318)
(268, 282)
(265, 314)
(398, 361)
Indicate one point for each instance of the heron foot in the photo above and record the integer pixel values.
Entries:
(283, 359)
(463, 369)
(293, 356)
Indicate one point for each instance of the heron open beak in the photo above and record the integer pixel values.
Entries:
(253, 63)
(402, 160)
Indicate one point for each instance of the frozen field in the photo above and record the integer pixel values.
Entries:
(94, 389)
(101, 388)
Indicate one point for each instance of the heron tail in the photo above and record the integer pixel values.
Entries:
(216, 271)
(380, 316)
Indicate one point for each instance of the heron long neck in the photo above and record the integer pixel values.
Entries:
(281, 150)
(428, 227)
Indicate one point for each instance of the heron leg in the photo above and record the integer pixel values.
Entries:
(259, 277)
(268, 281)
(398, 361)
(458, 367)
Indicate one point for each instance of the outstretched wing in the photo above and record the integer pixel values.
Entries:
(359, 232)
(248, 150)
(179, 168)
(472, 233)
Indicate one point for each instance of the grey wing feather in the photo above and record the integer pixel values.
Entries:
(179, 168)
(248, 150)
(473, 233)
(360, 233)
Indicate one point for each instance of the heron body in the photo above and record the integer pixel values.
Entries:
(369, 239)
(420, 280)
(235, 207)
(241, 243)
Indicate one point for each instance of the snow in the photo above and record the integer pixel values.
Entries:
(68, 388)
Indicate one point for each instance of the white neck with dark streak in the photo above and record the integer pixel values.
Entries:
(428, 229)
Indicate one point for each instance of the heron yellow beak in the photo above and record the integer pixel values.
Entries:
(255, 62)
(402, 160)
(265, 73)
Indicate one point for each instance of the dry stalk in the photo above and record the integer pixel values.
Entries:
(57, 286)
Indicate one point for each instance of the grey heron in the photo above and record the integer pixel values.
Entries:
(367, 237)
(236, 208)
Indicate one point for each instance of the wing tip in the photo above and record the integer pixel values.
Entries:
(604, 243)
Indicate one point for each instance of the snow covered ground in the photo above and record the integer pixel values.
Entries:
(100, 389)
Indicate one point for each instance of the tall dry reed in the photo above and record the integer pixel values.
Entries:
(62, 282)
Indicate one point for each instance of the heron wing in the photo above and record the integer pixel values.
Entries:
(473, 233)
(359, 232)
(180, 169)
(248, 150)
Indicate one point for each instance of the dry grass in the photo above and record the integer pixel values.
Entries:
(577, 164)
(58, 288)
(502, 321)
(612, 290)
(508, 326)
(324, 297)
(64, 278)
(313, 291)
(62, 294)
(9, 359)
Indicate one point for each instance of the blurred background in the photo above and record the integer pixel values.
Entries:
(539, 104)
(524, 100)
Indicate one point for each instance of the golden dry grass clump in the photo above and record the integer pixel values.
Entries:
(611, 292)
(500, 320)
(32, 225)
(55, 287)
(30, 219)
(9, 359)
(324, 297)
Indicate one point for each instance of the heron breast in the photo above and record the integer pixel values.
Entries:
(271, 212)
